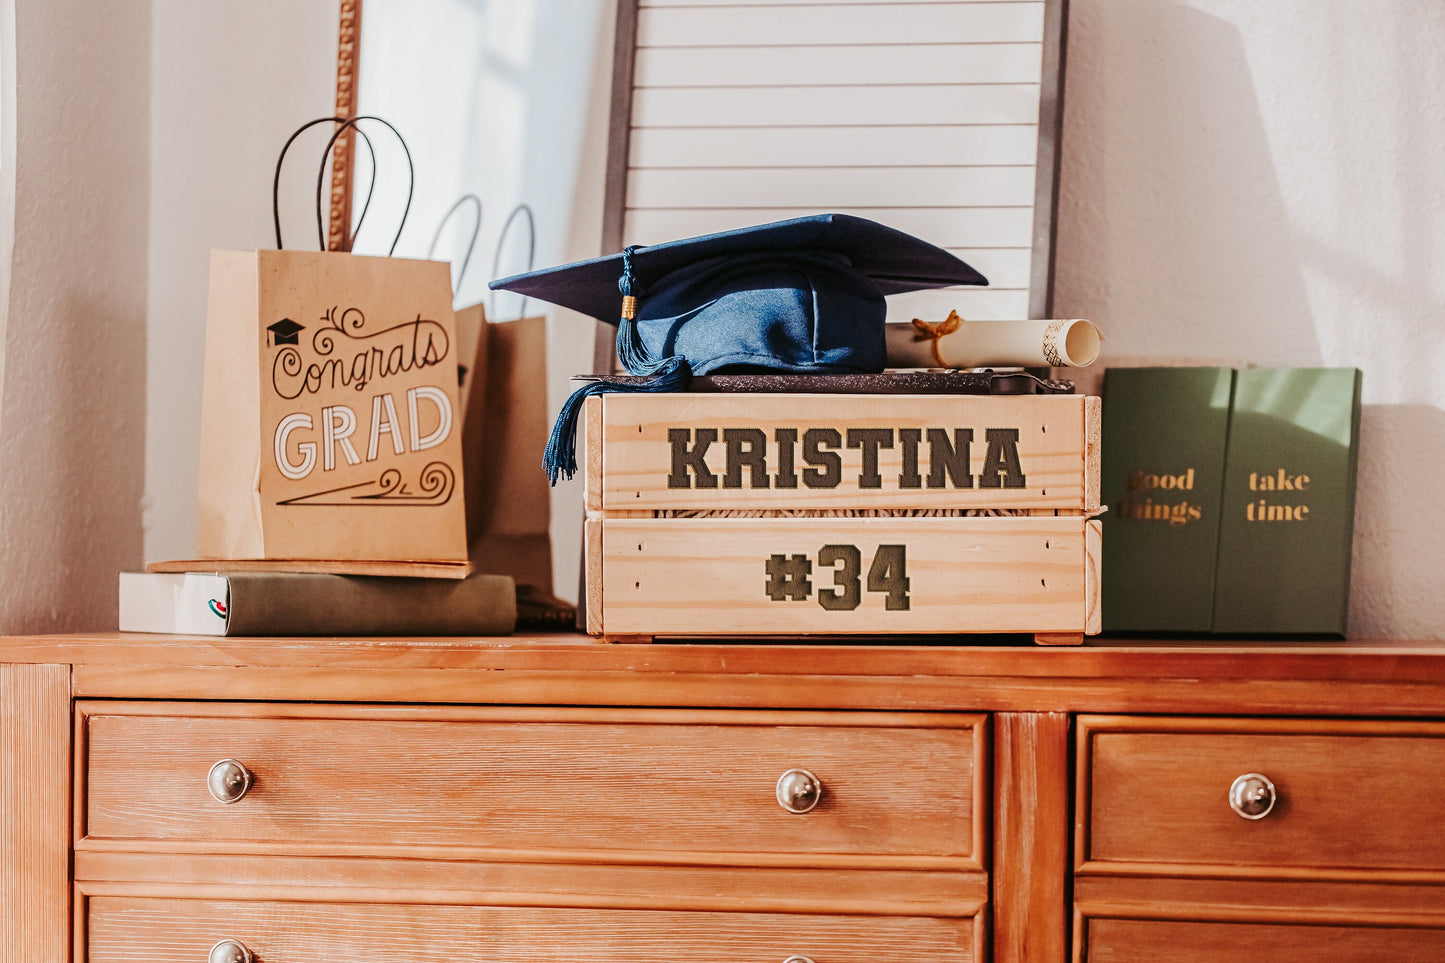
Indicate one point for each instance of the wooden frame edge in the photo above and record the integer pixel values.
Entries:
(1202, 912)
(37, 909)
(592, 562)
(983, 816)
(619, 148)
(80, 925)
(1046, 165)
(80, 763)
(1093, 451)
(592, 465)
(343, 156)
(1093, 576)
(1084, 728)
(1117, 869)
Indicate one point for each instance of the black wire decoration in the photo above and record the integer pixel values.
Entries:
(276, 180)
(471, 245)
(410, 173)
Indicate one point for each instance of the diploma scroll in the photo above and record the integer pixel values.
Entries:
(956, 343)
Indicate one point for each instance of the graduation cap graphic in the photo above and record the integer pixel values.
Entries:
(284, 331)
(804, 296)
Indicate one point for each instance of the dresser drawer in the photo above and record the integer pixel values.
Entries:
(137, 930)
(663, 782)
(1154, 795)
(1136, 941)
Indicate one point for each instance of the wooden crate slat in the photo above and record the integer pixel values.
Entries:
(719, 576)
(649, 468)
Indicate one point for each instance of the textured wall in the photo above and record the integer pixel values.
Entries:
(72, 417)
(228, 84)
(1261, 182)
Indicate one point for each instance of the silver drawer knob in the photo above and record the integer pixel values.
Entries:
(1252, 796)
(798, 959)
(230, 951)
(798, 792)
(228, 781)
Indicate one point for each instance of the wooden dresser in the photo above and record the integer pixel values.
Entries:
(555, 799)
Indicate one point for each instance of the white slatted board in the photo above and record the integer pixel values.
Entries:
(921, 115)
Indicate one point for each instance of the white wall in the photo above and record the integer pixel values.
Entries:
(1261, 182)
(229, 83)
(72, 417)
(509, 100)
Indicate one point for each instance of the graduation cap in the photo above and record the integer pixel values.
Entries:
(802, 296)
(285, 331)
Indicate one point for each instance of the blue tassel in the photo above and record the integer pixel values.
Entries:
(560, 456)
(631, 351)
(664, 374)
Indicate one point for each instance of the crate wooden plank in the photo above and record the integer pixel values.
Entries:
(725, 576)
(699, 452)
(1093, 562)
(744, 25)
(904, 63)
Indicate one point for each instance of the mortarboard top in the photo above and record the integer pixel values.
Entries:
(895, 261)
(804, 296)
(285, 331)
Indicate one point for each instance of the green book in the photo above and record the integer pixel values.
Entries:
(1164, 432)
(1289, 502)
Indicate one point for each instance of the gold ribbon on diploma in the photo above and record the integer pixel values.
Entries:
(936, 332)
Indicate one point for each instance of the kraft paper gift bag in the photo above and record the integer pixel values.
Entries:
(331, 418)
(509, 509)
(504, 425)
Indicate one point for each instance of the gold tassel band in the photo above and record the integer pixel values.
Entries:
(629, 307)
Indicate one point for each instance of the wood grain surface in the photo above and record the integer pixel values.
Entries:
(704, 576)
(134, 930)
(1352, 795)
(1118, 941)
(34, 813)
(1031, 836)
(563, 879)
(1357, 679)
(1377, 902)
(1051, 450)
(595, 780)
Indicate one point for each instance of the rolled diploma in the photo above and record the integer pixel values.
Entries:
(1072, 343)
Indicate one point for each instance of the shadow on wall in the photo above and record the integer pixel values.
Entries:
(1172, 228)
(1399, 527)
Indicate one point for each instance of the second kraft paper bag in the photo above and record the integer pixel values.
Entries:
(331, 427)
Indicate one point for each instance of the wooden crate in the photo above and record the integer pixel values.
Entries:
(757, 514)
